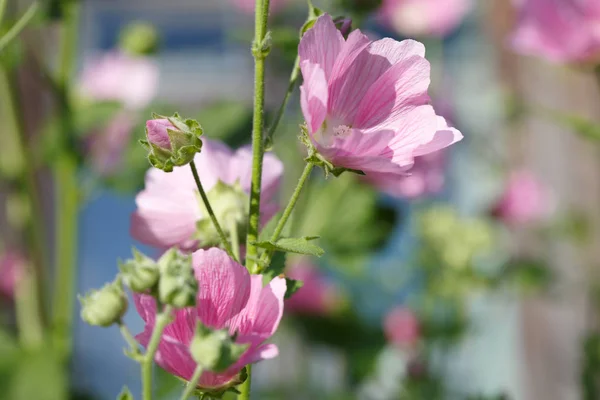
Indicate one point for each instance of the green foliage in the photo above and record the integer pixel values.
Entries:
(292, 287)
(302, 245)
(125, 394)
(585, 128)
(90, 117)
(45, 369)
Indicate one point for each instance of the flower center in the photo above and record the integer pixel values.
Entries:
(341, 131)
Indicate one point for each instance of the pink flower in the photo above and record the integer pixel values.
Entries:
(169, 207)
(424, 17)
(248, 5)
(12, 266)
(426, 177)
(401, 327)
(107, 146)
(116, 76)
(366, 103)
(559, 30)
(525, 199)
(228, 297)
(158, 132)
(316, 297)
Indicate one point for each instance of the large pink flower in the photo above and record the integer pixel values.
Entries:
(116, 76)
(424, 17)
(12, 266)
(317, 296)
(170, 206)
(525, 199)
(228, 297)
(366, 103)
(426, 177)
(559, 30)
(402, 327)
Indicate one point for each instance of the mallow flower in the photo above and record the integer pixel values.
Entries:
(365, 102)
(558, 30)
(317, 296)
(170, 211)
(402, 327)
(524, 200)
(228, 298)
(424, 17)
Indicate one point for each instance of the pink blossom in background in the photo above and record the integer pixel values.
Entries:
(424, 17)
(365, 103)
(106, 147)
(169, 206)
(248, 5)
(558, 30)
(402, 327)
(12, 266)
(317, 296)
(425, 178)
(116, 76)
(228, 297)
(524, 200)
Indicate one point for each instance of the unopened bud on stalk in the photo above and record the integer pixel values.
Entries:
(215, 350)
(141, 273)
(177, 286)
(172, 141)
(105, 306)
(139, 38)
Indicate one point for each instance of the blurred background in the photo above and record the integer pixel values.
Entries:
(475, 278)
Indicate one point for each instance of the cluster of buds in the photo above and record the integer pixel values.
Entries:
(172, 141)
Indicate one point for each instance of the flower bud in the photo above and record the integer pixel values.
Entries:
(172, 141)
(141, 273)
(139, 38)
(105, 306)
(215, 350)
(230, 205)
(177, 285)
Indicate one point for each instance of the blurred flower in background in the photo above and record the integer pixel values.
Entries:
(424, 17)
(106, 147)
(317, 296)
(559, 30)
(401, 327)
(12, 266)
(248, 5)
(525, 200)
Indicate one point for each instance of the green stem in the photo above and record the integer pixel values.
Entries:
(193, 383)
(293, 80)
(18, 26)
(133, 344)
(235, 239)
(27, 309)
(66, 195)
(211, 212)
(245, 387)
(266, 258)
(162, 320)
(259, 52)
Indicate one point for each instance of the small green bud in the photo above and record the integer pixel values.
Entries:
(215, 350)
(141, 273)
(172, 141)
(105, 306)
(177, 285)
(139, 38)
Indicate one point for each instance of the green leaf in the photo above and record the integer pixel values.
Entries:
(44, 368)
(292, 287)
(276, 268)
(582, 126)
(125, 394)
(9, 350)
(294, 245)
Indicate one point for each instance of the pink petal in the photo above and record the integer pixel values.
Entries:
(321, 44)
(444, 137)
(264, 352)
(214, 163)
(146, 307)
(313, 95)
(224, 286)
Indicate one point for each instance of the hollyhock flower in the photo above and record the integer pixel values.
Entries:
(248, 5)
(559, 30)
(12, 266)
(169, 209)
(116, 76)
(424, 17)
(525, 199)
(317, 296)
(228, 297)
(426, 177)
(365, 103)
(106, 147)
(401, 327)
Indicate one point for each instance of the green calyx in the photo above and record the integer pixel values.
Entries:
(215, 350)
(140, 274)
(104, 307)
(177, 286)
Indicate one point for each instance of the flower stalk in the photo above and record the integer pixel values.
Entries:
(193, 383)
(162, 320)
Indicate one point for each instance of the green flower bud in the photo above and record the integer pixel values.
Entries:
(104, 307)
(139, 38)
(215, 350)
(172, 141)
(141, 273)
(230, 205)
(177, 285)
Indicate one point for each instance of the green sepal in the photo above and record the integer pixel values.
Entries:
(293, 245)
(125, 394)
